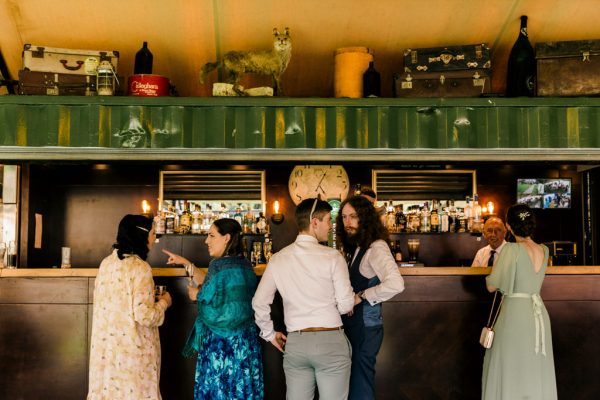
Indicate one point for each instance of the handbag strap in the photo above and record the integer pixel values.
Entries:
(492, 310)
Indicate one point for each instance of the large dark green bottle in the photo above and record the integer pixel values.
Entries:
(143, 61)
(520, 77)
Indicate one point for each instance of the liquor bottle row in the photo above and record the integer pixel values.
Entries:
(434, 217)
(188, 217)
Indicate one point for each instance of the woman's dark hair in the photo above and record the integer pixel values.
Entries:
(310, 208)
(132, 237)
(370, 227)
(225, 226)
(521, 220)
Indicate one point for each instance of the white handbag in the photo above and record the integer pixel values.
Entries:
(487, 333)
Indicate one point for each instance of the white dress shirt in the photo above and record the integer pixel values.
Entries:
(483, 255)
(378, 261)
(314, 284)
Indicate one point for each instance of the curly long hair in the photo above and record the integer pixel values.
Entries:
(370, 227)
(132, 237)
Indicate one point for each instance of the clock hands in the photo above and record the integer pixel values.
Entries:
(319, 184)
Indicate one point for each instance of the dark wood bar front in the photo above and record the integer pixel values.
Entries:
(430, 349)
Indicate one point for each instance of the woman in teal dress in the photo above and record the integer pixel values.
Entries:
(520, 363)
(229, 363)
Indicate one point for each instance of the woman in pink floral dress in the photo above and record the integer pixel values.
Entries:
(125, 346)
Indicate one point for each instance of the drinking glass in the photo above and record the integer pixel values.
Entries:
(413, 250)
(2, 252)
(11, 258)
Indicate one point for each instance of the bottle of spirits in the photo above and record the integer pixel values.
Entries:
(425, 219)
(444, 220)
(400, 219)
(238, 215)
(468, 215)
(197, 220)
(452, 217)
(476, 210)
(521, 69)
(391, 219)
(398, 252)
(169, 220)
(185, 220)
(371, 82)
(143, 61)
(249, 222)
(357, 189)
(160, 223)
(435, 217)
(261, 224)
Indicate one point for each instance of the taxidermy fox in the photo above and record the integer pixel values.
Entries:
(273, 62)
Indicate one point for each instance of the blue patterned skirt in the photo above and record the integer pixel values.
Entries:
(229, 368)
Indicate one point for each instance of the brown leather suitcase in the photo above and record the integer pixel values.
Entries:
(569, 68)
(465, 83)
(52, 83)
(450, 58)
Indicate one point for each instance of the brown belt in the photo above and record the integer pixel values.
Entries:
(319, 329)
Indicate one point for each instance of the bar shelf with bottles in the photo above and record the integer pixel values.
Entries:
(448, 231)
(194, 217)
(188, 221)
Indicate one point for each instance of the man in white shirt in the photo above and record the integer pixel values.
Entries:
(375, 276)
(314, 284)
(494, 232)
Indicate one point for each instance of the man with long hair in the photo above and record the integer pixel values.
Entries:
(375, 278)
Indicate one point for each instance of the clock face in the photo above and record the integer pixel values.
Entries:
(325, 181)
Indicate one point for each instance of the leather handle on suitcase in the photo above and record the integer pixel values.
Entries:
(64, 63)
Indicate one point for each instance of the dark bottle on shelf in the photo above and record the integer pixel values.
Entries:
(143, 61)
(520, 77)
(371, 82)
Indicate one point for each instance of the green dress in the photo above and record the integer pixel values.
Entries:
(520, 364)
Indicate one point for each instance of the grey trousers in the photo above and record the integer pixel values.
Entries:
(317, 358)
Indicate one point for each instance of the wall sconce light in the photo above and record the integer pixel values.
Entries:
(490, 208)
(277, 217)
(146, 210)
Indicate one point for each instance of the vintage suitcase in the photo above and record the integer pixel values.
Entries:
(48, 83)
(66, 61)
(451, 58)
(570, 68)
(470, 83)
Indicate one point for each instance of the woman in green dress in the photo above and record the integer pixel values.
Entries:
(520, 363)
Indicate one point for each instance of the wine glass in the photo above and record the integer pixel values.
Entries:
(268, 250)
(257, 251)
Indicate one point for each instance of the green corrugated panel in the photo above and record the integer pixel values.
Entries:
(278, 124)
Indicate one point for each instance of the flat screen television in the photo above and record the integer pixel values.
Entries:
(544, 193)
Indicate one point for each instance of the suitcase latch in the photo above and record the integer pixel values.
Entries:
(39, 53)
(442, 79)
(407, 83)
(586, 56)
(478, 51)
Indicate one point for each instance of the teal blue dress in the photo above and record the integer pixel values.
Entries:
(229, 363)
(520, 364)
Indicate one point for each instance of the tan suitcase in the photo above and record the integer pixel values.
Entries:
(66, 61)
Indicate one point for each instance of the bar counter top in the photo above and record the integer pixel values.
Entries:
(180, 272)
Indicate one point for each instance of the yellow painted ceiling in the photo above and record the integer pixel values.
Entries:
(185, 34)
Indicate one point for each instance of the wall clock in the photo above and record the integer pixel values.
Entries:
(325, 181)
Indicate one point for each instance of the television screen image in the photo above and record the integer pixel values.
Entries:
(544, 193)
